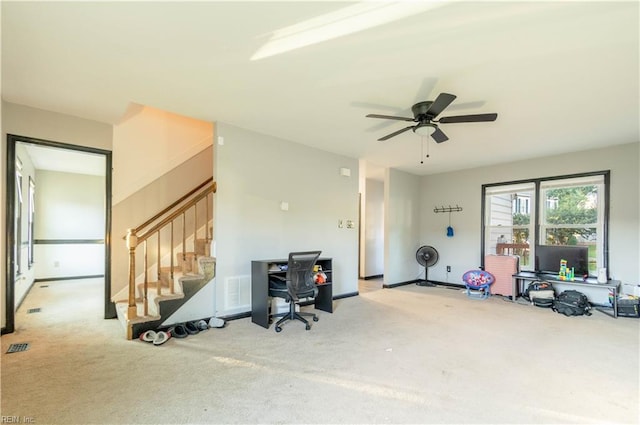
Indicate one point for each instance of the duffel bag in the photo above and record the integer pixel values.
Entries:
(540, 294)
(572, 303)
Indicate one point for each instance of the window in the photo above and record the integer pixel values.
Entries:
(508, 225)
(18, 224)
(572, 210)
(32, 211)
(576, 217)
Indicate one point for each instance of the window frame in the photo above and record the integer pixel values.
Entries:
(536, 209)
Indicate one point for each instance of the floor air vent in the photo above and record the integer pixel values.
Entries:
(16, 348)
(34, 310)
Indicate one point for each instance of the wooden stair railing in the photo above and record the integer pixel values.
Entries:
(165, 219)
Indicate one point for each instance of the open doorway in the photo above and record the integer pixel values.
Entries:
(371, 231)
(58, 218)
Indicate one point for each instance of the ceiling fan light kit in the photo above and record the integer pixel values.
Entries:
(424, 115)
(425, 130)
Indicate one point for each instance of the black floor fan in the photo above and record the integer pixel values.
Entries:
(426, 256)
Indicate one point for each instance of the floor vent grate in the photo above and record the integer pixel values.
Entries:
(44, 286)
(34, 310)
(16, 348)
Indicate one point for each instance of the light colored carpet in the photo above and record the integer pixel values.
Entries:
(404, 355)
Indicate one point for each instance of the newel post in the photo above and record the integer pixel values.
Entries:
(132, 243)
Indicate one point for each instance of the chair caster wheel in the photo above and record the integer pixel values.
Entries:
(315, 318)
(278, 329)
(308, 327)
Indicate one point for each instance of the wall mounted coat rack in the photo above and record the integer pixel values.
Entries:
(448, 209)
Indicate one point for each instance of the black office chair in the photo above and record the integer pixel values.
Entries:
(297, 284)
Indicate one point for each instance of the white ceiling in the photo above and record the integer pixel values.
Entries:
(562, 76)
(65, 160)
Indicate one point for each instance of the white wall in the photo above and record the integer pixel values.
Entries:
(402, 227)
(255, 173)
(374, 228)
(69, 207)
(462, 251)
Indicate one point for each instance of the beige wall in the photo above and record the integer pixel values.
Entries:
(164, 139)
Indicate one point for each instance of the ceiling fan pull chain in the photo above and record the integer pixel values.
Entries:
(421, 149)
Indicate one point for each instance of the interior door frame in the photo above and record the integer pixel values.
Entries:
(12, 140)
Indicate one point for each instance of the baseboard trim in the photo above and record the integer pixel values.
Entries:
(435, 282)
(395, 285)
(53, 279)
(236, 316)
(375, 276)
(305, 303)
(347, 295)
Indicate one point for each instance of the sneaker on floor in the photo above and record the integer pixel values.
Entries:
(161, 338)
(215, 322)
(202, 325)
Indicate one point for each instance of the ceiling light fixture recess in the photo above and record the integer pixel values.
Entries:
(344, 21)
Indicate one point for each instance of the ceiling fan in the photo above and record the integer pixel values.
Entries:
(424, 114)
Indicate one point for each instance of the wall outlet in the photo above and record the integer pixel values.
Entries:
(448, 269)
(56, 263)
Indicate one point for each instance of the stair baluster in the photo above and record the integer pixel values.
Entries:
(145, 299)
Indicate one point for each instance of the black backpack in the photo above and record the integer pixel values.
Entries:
(540, 294)
(572, 303)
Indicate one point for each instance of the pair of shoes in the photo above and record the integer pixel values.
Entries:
(157, 338)
(215, 322)
(191, 328)
(179, 331)
(183, 330)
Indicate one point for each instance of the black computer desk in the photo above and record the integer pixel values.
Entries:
(260, 288)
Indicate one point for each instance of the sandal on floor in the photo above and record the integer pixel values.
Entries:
(202, 325)
(148, 336)
(178, 331)
(191, 328)
(161, 338)
(215, 322)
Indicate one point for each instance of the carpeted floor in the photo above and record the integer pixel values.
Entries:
(405, 355)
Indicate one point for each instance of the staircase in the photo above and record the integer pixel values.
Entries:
(169, 261)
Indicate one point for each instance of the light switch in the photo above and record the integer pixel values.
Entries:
(284, 206)
(340, 223)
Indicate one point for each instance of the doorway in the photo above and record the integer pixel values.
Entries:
(58, 164)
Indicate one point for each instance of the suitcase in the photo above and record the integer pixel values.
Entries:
(502, 267)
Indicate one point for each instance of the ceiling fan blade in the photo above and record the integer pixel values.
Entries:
(469, 118)
(427, 86)
(395, 133)
(389, 117)
(439, 136)
(442, 101)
